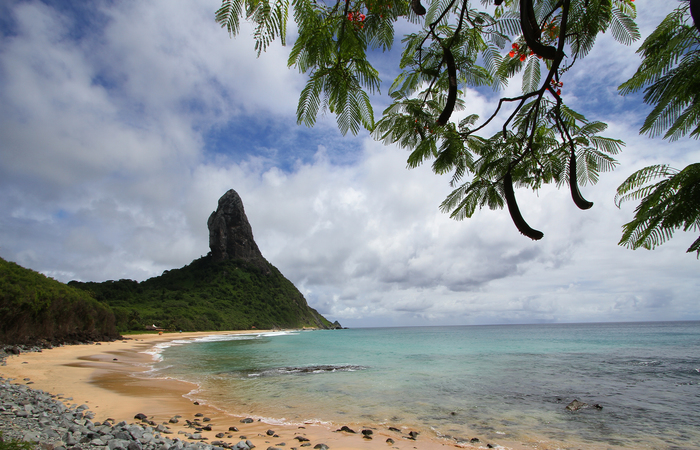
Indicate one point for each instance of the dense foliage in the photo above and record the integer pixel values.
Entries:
(670, 76)
(461, 44)
(465, 44)
(34, 307)
(203, 295)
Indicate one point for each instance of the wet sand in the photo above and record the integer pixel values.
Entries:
(106, 377)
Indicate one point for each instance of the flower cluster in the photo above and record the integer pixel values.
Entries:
(550, 30)
(521, 53)
(556, 85)
(357, 18)
(512, 53)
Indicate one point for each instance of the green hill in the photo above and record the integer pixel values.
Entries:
(232, 288)
(35, 308)
(208, 295)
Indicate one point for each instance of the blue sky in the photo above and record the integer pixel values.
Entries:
(122, 123)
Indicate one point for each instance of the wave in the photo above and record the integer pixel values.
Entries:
(302, 370)
(157, 350)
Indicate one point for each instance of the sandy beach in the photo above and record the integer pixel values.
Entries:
(105, 376)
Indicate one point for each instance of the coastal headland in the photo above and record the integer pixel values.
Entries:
(110, 378)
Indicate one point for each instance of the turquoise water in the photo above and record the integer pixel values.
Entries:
(504, 384)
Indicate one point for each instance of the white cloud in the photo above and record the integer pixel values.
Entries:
(107, 171)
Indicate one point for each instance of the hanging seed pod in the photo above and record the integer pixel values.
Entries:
(695, 12)
(532, 32)
(581, 202)
(514, 211)
(417, 7)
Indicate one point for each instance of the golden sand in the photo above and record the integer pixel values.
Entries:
(106, 377)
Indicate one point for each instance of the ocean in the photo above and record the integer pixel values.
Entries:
(507, 384)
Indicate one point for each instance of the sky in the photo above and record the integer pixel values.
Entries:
(122, 123)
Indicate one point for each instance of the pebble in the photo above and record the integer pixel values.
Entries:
(33, 415)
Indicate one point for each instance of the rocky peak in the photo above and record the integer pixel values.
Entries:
(230, 234)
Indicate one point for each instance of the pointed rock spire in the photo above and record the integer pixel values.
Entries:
(230, 233)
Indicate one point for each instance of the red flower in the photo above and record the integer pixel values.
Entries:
(362, 17)
(516, 46)
(558, 91)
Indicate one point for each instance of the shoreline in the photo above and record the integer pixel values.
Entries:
(105, 377)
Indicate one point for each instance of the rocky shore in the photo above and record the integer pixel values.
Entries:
(35, 416)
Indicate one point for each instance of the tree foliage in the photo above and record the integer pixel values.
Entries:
(670, 76)
(666, 205)
(205, 296)
(459, 44)
(34, 307)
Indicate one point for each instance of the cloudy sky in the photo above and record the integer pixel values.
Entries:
(122, 123)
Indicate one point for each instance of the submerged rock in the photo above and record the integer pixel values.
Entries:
(576, 405)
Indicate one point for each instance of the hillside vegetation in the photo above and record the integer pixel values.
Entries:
(205, 295)
(35, 308)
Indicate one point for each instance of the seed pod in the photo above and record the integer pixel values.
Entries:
(532, 32)
(695, 12)
(452, 92)
(514, 211)
(581, 202)
(417, 7)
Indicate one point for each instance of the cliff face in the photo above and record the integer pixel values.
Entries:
(230, 233)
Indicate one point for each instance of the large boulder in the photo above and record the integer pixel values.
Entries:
(230, 233)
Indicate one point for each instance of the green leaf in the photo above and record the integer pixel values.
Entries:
(531, 77)
(670, 204)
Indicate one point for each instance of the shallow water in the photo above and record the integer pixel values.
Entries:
(506, 383)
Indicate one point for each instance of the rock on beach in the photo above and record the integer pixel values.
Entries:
(33, 415)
